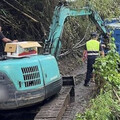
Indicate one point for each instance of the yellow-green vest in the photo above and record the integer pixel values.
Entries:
(93, 45)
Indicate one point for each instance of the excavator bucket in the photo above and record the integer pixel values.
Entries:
(69, 81)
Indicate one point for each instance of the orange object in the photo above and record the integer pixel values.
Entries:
(84, 56)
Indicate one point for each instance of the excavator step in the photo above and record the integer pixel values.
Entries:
(69, 81)
(55, 109)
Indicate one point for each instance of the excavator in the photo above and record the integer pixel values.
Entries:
(29, 80)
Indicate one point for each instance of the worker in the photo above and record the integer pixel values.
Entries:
(92, 50)
(3, 39)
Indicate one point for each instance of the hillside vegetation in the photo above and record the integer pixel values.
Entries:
(30, 20)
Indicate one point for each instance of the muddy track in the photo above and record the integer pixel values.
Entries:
(82, 97)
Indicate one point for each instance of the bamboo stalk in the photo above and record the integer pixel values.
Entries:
(11, 24)
(116, 95)
(33, 19)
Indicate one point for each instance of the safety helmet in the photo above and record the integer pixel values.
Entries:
(94, 34)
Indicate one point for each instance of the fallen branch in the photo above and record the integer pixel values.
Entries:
(77, 45)
(65, 53)
(5, 20)
(116, 95)
(83, 37)
(24, 7)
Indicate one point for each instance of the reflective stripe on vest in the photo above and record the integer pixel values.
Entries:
(93, 45)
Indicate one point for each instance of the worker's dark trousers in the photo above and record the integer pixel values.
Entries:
(90, 62)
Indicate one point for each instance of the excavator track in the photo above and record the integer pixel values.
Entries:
(55, 109)
(51, 109)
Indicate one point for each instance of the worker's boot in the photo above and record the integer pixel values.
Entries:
(86, 85)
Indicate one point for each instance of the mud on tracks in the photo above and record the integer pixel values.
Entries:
(82, 95)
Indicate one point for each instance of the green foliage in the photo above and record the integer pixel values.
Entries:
(106, 68)
(102, 108)
(17, 25)
(108, 8)
(75, 31)
(75, 28)
(106, 106)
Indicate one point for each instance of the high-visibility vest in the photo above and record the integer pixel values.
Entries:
(93, 45)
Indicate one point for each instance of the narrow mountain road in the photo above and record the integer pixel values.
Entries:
(82, 95)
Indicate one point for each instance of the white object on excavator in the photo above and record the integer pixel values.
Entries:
(21, 49)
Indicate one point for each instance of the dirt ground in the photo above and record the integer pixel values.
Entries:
(83, 95)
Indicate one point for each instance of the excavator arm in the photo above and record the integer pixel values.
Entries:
(61, 12)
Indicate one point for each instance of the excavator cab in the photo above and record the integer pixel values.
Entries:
(114, 26)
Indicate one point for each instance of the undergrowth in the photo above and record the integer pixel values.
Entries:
(106, 106)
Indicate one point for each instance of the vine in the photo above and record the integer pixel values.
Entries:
(106, 106)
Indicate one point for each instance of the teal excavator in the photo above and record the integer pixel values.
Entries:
(29, 80)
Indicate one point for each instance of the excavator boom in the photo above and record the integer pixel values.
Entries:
(61, 12)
